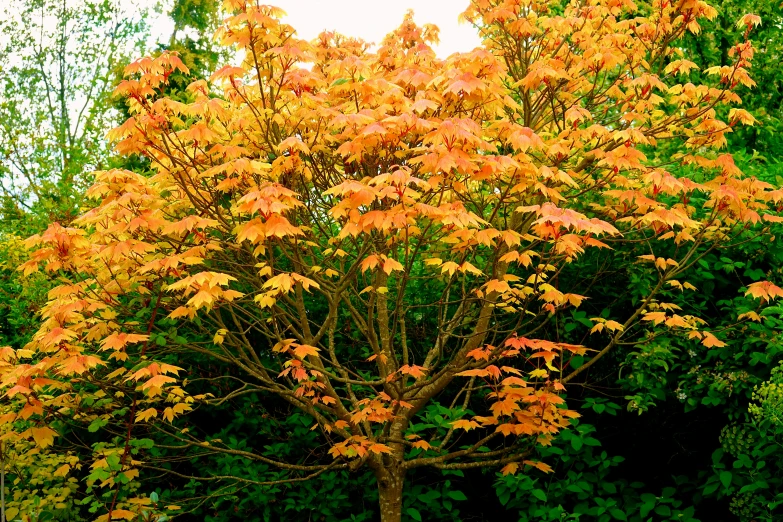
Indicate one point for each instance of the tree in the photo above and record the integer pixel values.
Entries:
(59, 61)
(195, 21)
(299, 221)
(764, 103)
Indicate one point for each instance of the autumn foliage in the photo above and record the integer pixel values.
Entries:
(311, 207)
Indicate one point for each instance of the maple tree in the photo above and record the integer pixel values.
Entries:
(381, 232)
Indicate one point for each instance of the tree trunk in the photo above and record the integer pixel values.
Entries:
(390, 484)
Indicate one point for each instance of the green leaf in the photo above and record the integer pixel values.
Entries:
(711, 488)
(647, 498)
(717, 455)
(618, 514)
(750, 487)
(429, 496)
(414, 513)
(539, 494)
(457, 495)
(725, 478)
(96, 425)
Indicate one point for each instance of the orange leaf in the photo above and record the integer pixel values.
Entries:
(546, 468)
(304, 350)
(764, 290)
(510, 468)
(422, 444)
(413, 370)
(710, 341)
(464, 424)
(43, 436)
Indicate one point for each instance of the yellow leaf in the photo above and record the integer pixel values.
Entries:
(123, 514)
(149, 413)
(449, 266)
(220, 336)
(265, 300)
(390, 265)
(764, 290)
(614, 325)
(710, 341)
(62, 470)
(656, 317)
(753, 316)
(469, 268)
(749, 20)
(43, 436)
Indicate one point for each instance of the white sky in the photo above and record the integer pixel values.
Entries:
(371, 20)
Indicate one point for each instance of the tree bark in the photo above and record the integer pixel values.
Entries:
(390, 484)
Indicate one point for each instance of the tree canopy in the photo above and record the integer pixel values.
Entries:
(387, 245)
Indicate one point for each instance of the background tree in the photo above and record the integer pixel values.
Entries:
(61, 60)
(58, 60)
(764, 103)
(195, 23)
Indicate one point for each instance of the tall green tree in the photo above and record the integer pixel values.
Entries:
(59, 60)
(765, 101)
(195, 23)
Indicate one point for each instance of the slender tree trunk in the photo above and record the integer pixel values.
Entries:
(390, 484)
(390, 473)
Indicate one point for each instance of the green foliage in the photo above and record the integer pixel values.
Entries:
(195, 21)
(764, 102)
(585, 485)
(748, 468)
(334, 496)
(768, 408)
(747, 459)
(20, 298)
